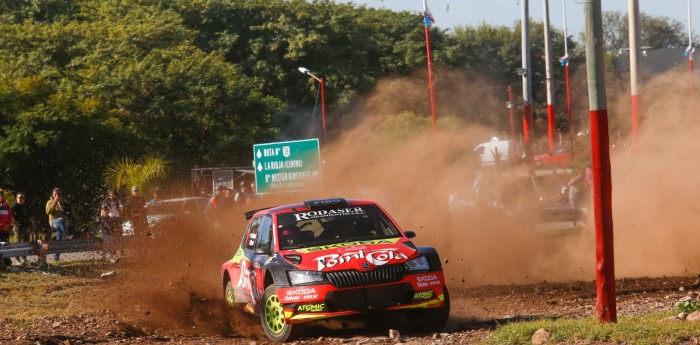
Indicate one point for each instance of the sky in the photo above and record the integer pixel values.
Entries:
(450, 13)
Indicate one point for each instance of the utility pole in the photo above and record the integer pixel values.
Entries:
(689, 51)
(551, 123)
(565, 62)
(606, 308)
(526, 73)
(633, 9)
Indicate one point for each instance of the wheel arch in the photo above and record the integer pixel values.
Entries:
(433, 258)
(225, 278)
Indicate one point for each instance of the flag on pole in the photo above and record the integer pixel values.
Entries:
(564, 60)
(689, 51)
(427, 16)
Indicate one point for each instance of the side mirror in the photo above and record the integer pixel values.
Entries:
(410, 234)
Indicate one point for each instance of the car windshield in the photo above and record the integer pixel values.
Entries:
(335, 225)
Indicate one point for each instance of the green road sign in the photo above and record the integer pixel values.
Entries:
(287, 166)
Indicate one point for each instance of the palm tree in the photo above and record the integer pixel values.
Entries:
(126, 172)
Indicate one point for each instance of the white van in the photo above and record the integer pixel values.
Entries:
(494, 150)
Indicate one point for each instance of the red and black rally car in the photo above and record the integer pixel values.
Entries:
(328, 258)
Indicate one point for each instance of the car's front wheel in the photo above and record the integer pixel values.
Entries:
(272, 317)
(229, 295)
(429, 320)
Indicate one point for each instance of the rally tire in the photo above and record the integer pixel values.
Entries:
(431, 319)
(272, 317)
(229, 294)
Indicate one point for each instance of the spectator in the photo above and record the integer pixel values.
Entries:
(5, 218)
(154, 199)
(55, 209)
(243, 195)
(576, 187)
(135, 210)
(253, 191)
(109, 227)
(216, 199)
(226, 203)
(113, 204)
(24, 227)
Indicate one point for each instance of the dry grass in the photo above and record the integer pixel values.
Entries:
(68, 288)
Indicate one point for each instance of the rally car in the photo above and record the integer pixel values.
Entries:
(332, 257)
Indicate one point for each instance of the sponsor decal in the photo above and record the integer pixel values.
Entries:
(377, 257)
(311, 308)
(348, 244)
(244, 277)
(428, 280)
(238, 256)
(328, 213)
(299, 294)
(421, 295)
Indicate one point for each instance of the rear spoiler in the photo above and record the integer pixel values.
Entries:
(250, 214)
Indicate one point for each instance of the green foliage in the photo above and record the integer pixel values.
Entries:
(123, 173)
(407, 125)
(641, 329)
(688, 306)
(200, 81)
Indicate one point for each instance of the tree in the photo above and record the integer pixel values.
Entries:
(655, 32)
(122, 173)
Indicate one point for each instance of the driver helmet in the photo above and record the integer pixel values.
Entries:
(289, 235)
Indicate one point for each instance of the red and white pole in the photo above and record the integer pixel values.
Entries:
(526, 76)
(634, 36)
(427, 19)
(551, 123)
(565, 62)
(606, 307)
(322, 81)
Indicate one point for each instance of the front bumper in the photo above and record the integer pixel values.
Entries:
(314, 302)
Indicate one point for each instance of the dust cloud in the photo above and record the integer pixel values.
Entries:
(426, 182)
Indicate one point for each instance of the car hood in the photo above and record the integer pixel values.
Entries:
(361, 255)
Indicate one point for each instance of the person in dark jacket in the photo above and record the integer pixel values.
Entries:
(5, 218)
(135, 211)
(24, 226)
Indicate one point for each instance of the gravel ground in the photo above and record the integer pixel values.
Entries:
(475, 311)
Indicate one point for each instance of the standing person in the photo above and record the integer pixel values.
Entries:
(253, 191)
(24, 227)
(154, 199)
(216, 199)
(55, 209)
(243, 195)
(226, 203)
(109, 227)
(5, 218)
(135, 210)
(574, 186)
(113, 204)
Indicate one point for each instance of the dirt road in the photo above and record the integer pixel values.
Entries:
(475, 311)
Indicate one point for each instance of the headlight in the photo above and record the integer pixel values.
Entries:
(418, 264)
(304, 277)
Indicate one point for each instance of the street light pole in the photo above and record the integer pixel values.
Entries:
(322, 82)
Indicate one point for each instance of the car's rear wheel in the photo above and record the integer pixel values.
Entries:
(429, 320)
(272, 317)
